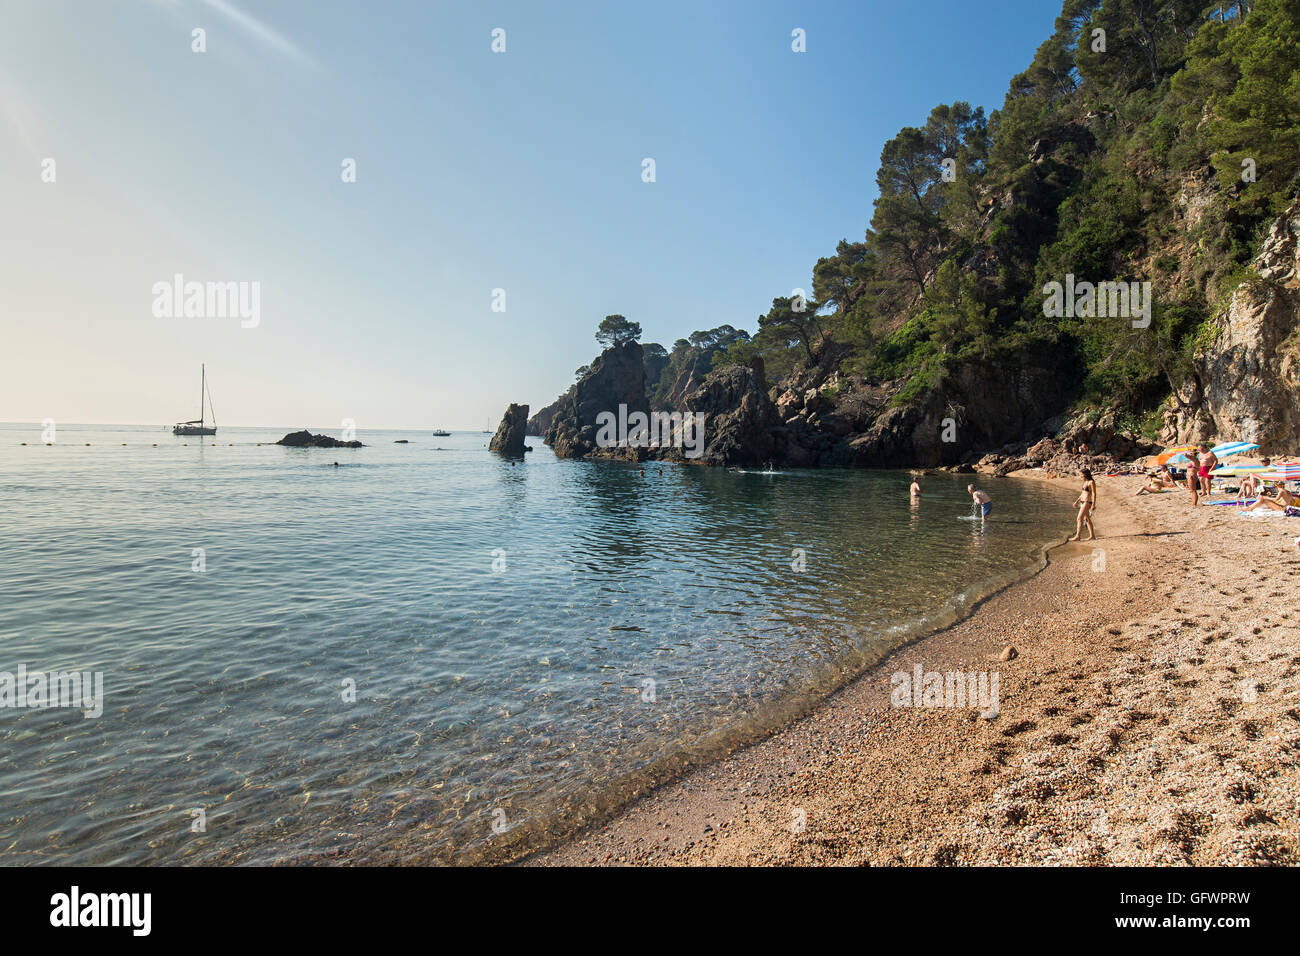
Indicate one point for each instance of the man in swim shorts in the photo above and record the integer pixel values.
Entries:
(1209, 461)
(982, 499)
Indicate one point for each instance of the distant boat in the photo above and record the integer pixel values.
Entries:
(199, 426)
(439, 433)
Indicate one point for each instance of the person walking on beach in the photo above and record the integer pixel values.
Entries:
(1086, 501)
(1194, 476)
(982, 500)
(1209, 461)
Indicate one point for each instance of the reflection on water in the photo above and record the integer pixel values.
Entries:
(382, 661)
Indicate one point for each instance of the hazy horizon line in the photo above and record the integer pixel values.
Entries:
(338, 427)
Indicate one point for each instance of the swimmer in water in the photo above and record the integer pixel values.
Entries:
(916, 488)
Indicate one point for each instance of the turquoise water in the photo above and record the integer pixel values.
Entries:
(632, 621)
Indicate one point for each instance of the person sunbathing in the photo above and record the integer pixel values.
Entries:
(1250, 486)
(1158, 482)
(1155, 485)
(1283, 500)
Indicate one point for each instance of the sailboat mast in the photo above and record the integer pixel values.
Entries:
(203, 384)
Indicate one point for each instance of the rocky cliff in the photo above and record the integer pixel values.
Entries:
(616, 378)
(739, 419)
(994, 415)
(1246, 384)
(540, 423)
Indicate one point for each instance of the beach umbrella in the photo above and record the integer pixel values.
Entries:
(1220, 451)
(1169, 455)
(1239, 469)
(1283, 471)
(1228, 449)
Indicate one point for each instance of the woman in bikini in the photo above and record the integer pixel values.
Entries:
(1193, 476)
(1086, 500)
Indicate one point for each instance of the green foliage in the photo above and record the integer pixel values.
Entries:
(1123, 164)
(616, 330)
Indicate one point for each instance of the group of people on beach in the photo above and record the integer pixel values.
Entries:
(1201, 464)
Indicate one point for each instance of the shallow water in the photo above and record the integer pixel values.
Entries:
(632, 621)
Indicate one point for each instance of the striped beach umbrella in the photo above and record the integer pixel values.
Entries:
(1240, 469)
(1227, 449)
(1282, 471)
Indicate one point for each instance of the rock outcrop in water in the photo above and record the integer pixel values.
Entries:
(305, 439)
(509, 437)
(616, 378)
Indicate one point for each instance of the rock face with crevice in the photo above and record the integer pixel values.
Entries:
(1247, 380)
(509, 437)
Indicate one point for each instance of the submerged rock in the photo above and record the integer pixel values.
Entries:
(305, 439)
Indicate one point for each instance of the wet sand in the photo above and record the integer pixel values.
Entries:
(1151, 715)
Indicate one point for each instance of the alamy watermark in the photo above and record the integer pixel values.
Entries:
(179, 299)
(655, 430)
(73, 689)
(959, 689)
(1102, 300)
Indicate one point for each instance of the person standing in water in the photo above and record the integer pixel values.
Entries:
(982, 500)
(1086, 501)
(916, 488)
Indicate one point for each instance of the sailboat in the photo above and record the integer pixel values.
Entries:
(200, 425)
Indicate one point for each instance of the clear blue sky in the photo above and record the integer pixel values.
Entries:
(475, 171)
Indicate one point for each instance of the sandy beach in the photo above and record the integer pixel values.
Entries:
(1149, 715)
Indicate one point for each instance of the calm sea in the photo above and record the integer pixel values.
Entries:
(427, 654)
